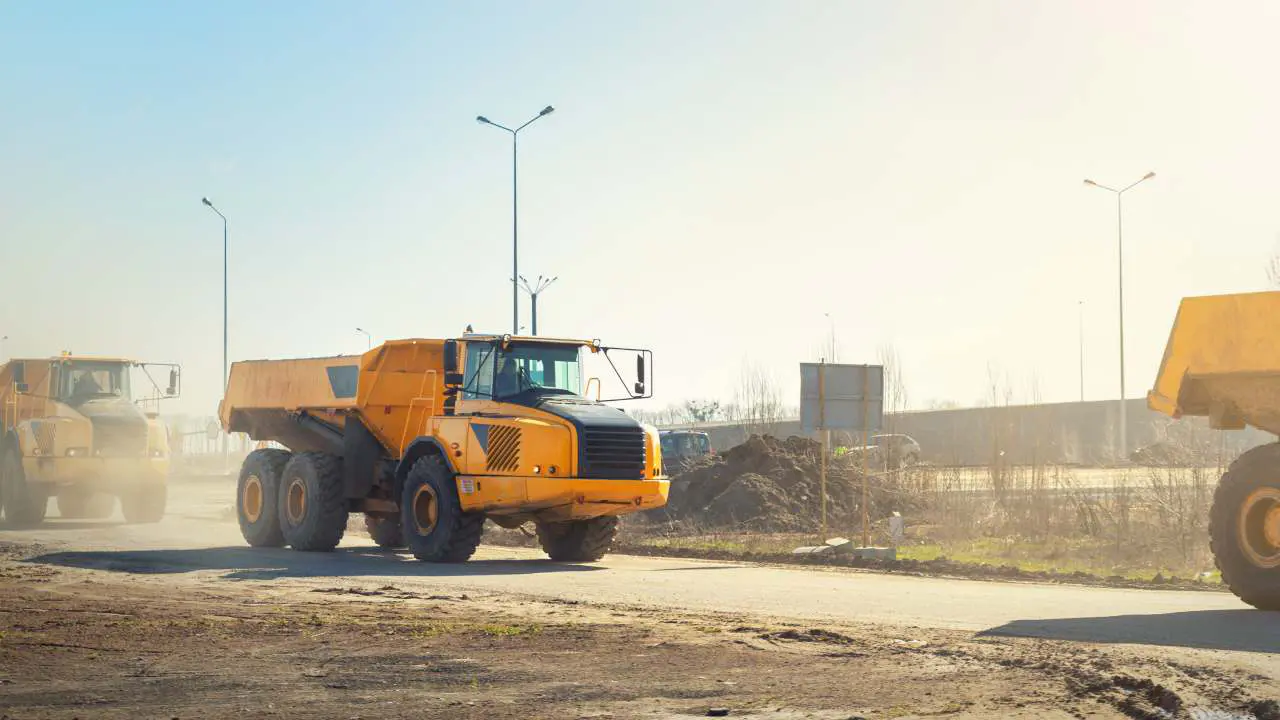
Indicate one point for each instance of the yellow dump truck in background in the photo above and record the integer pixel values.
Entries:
(429, 438)
(1223, 362)
(71, 429)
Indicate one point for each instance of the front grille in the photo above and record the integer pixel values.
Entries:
(613, 453)
(116, 439)
(504, 449)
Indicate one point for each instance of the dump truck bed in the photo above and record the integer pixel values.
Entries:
(393, 387)
(1222, 361)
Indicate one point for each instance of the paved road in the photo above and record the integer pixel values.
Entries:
(199, 536)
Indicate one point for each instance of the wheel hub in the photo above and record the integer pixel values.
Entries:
(1259, 527)
(296, 502)
(252, 498)
(425, 510)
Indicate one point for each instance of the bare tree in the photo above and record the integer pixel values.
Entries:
(1273, 267)
(702, 411)
(757, 401)
(895, 388)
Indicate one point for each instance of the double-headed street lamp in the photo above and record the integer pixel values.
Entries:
(534, 291)
(1124, 449)
(368, 338)
(515, 255)
(208, 204)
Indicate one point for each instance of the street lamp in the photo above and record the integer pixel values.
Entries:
(1124, 449)
(368, 338)
(515, 255)
(534, 291)
(225, 366)
(3, 341)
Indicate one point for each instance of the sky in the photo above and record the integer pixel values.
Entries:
(726, 183)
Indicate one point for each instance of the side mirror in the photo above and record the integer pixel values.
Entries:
(21, 388)
(173, 383)
(639, 375)
(452, 378)
(19, 373)
(450, 359)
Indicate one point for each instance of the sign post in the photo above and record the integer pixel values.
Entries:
(842, 397)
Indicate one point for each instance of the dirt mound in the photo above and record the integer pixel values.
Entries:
(772, 485)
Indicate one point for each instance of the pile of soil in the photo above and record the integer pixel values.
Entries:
(772, 485)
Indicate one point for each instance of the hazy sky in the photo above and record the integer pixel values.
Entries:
(717, 176)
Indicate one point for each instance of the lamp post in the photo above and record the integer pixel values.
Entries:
(831, 326)
(515, 254)
(4, 340)
(1124, 449)
(225, 366)
(534, 291)
(368, 338)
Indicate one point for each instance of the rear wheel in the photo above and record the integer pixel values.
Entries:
(256, 497)
(80, 504)
(145, 504)
(312, 503)
(436, 528)
(385, 530)
(24, 506)
(1244, 527)
(579, 540)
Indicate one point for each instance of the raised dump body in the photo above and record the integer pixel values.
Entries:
(71, 429)
(428, 450)
(1222, 361)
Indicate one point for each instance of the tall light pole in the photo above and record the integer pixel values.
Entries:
(1124, 429)
(368, 338)
(225, 365)
(515, 254)
(831, 325)
(1081, 304)
(3, 341)
(534, 291)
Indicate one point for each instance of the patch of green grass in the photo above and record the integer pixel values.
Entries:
(500, 630)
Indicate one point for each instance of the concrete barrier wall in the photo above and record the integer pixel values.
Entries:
(1077, 433)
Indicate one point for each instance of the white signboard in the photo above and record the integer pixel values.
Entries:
(841, 397)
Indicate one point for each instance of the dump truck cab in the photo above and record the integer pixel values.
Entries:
(73, 429)
(429, 438)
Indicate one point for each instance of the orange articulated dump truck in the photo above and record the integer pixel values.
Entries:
(71, 429)
(1222, 362)
(429, 438)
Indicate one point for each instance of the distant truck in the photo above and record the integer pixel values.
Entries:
(684, 448)
(893, 451)
(429, 438)
(71, 430)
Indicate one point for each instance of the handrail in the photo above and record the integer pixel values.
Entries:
(408, 421)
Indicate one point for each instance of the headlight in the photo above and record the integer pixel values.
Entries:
(157, 453)
(77, 452)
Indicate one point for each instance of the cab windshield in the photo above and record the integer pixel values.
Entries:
(522, 367)
(81, 381)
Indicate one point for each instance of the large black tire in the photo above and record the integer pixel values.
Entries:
(385, 530)
(80, 504)
(1248, 558)
(579, 540)
(145, 504)
(434, 525)
(257, 493)
(24, 506)
(312, 502)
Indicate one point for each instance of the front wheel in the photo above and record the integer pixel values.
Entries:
(24, 506)
(1244, 527)
(436, 528)
(578, 541)
(144, 505)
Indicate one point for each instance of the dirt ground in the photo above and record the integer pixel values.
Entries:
(87, 643)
